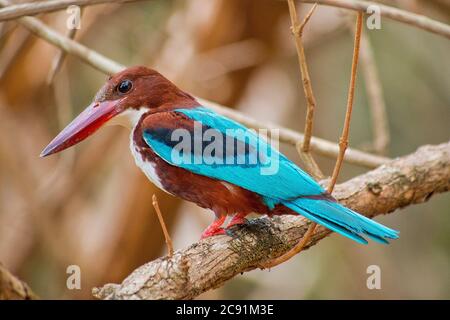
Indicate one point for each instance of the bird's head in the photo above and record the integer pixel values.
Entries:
(124, 98)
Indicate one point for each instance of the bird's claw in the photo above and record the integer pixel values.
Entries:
(237, 222)
(214, 232)
(214, 229)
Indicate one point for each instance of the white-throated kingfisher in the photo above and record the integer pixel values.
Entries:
(229, 179)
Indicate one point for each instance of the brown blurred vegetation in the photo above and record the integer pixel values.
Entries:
(91, 206)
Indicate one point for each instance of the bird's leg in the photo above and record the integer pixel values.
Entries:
(238, 218)
(215, 228)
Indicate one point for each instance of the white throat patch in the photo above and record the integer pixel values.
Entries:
(129, 119)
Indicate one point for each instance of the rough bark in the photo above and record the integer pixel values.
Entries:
(12, 288)
(209, 263)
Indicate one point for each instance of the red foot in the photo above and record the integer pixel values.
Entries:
(214, 228)
(238, 218)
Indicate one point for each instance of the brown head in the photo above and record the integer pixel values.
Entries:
(124, 98)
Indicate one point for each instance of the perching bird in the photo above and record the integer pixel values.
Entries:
(221, 165)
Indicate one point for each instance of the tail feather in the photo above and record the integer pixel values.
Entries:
(327, 223)
(341, 219)
(377, 238)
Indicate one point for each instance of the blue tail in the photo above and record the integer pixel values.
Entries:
(341, 219)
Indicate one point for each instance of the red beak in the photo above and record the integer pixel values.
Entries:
(87, 122)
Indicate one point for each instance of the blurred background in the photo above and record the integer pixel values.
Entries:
(90, 206)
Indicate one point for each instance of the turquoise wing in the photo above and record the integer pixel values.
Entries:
(242, 158)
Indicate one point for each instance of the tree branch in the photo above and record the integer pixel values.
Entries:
(413, 19)
(15, 11)
(211, 262)
(68, 45)
(12, 288)
(27, 9)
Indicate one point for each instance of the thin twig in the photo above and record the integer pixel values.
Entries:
(374, 90)
(343, 144)
(59, 58)
(15, 11)
(380, 126)
(413, 19)
(306, 80)
(163, 226)
(303, 149)
(343, 141)
(89, 56)
(311, 165)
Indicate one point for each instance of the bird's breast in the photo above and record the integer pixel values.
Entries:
(145, 164)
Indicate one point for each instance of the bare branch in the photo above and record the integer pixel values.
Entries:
(211, 262)
(89, 56)
(416, 20)
(303, 149)
(108, 66)
(15, 11)
(343, 141)
(419, 21)
(374, 89)
(297, 30)
(311, 164)
(59, 58)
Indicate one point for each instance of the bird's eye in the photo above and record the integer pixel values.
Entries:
(124, 86)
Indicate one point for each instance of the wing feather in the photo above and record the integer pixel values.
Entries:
(251, 163)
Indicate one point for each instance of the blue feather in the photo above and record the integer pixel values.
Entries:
(288, 182)
(289, 185)
(332, 214)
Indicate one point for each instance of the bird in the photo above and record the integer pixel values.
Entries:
(196, 154)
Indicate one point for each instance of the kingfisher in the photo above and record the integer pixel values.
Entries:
(196, 154)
